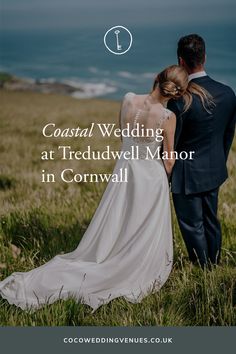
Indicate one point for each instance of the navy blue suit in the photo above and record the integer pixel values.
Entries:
(195, 183)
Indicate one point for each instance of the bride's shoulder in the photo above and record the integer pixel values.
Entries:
(168, 118)
(129, 95)
(168, 113)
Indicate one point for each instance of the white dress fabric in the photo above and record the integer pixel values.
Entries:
(127, 250)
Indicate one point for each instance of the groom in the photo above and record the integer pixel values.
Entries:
(195, 183)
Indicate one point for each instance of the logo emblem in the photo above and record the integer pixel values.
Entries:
(118, 40)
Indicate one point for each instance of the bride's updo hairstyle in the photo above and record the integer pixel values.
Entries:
(173, 83)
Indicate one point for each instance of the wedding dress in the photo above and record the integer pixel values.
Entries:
(127, 249)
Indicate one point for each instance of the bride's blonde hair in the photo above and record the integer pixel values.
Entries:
(173, 83)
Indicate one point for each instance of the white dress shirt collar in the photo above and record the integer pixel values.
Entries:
(196, 75)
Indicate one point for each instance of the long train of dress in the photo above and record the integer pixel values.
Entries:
(126, 251)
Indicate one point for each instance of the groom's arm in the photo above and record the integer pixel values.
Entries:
(229, 134)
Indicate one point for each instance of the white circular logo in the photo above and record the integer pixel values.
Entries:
(118, 40)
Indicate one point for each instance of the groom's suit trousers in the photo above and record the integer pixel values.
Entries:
(197, 218)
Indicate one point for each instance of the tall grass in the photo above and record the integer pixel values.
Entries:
(42, 220)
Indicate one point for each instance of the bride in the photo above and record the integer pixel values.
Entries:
(127, 249)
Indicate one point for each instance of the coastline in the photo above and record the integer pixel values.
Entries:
(76, 90)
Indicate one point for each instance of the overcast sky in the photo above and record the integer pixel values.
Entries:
(20, 14)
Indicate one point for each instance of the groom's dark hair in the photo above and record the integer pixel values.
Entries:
(192, 50)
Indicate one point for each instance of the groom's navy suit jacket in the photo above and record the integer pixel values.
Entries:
(209, 135)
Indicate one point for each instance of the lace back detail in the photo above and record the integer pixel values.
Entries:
(139, 119)
(136, 117)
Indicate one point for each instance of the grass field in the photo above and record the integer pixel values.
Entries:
(40, 220)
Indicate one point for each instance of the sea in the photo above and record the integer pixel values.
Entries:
(78, 56)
